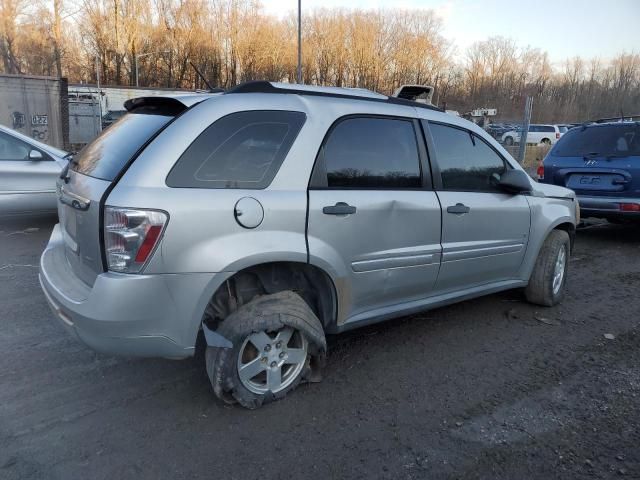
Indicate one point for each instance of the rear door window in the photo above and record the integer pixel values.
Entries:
(108, 154)
(240, 150)
(606, 141)
(370, 153)
(465, 161)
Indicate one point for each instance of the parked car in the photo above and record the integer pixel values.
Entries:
(273, 214)
(497, 130)
(601, 163)
(538, 134)
(28, 173)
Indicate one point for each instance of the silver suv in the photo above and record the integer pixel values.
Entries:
(261, 219)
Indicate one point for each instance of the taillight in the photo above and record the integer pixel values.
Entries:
(557, 135)
(130, 237)
(630, 207)
(540, 170)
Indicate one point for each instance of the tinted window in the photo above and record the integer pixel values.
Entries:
(12, 148)
(372, 153)
(609, 140)
(465, 166)
(547, 128)
(241, 150)
(106, 156)
(534, 128)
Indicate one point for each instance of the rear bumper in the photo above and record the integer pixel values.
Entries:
(139, 315)
(606, 207)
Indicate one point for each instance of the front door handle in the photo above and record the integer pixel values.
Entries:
(458, 209)
(339, 208)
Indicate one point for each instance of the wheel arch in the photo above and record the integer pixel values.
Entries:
(316, 287)
(568, 227)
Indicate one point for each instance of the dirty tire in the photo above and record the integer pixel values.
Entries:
(508, 141)
(267, 313)
(540, 288)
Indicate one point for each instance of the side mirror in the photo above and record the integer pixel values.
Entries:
(515, 181)
(35, 155)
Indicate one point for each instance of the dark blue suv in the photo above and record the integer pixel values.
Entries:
(601, 163)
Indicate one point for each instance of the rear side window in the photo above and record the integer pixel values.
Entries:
(466, 162)
(370, 152)
(607, 141)
(240, 150)
(108, 154)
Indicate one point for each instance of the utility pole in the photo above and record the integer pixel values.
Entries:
(299, 76)
(528, 108)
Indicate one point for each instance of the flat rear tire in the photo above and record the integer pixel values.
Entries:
(278, 342)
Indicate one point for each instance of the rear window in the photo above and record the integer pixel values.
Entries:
(108, 154)
(241, 150)
(608, 141)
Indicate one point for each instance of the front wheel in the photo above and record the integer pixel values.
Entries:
(277, 340)
(549, 278)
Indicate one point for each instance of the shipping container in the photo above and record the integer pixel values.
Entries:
(37, 107)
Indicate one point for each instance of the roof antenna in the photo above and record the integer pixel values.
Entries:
(209, 87)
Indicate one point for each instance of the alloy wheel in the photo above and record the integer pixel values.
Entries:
(271, 361)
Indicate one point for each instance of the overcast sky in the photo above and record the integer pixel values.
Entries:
(564, 28)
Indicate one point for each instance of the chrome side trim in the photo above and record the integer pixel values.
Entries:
(465, 254)
(392, 262)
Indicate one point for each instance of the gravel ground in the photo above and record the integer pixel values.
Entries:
(488, 388)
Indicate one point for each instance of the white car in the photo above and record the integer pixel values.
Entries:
(28, 173)
(538, 134)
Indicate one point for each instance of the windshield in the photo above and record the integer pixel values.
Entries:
(107, 155)
(607, 141)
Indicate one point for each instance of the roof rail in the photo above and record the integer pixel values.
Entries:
(621, 118)
(261, 86)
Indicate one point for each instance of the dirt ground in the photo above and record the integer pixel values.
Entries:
(489, 388)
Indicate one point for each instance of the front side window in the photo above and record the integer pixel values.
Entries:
(241, 150)
(12, 149)
(466, 162)
(370, 152)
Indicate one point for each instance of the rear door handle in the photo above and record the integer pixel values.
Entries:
(339, 208)
(458, 209)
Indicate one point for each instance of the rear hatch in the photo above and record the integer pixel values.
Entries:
(597, 160)
(91, 173)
